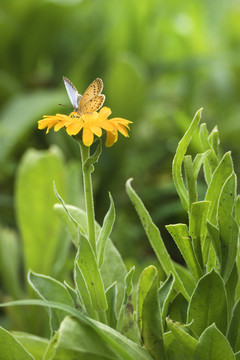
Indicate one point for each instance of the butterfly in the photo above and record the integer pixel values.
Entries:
(90, 101)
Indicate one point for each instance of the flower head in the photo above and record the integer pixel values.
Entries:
(90, 124)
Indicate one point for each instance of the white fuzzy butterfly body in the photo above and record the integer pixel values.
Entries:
(92, 99)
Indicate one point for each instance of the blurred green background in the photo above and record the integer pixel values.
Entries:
(160, 62)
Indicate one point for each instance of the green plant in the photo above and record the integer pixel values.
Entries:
(181, 312)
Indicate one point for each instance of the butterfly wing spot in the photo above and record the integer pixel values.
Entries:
(93, 104)
(93, 90)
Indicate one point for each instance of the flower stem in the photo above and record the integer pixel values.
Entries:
(87, 182)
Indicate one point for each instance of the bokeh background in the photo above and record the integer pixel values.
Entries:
(160, 62)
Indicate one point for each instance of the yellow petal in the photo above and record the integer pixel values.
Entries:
(62, 116)
(111, 138)
(47, 122)
(86, 118)
(96, 130)
(104, 113)
(106, 125)
(74, 127)
(59, 125)
(121, 120)
(122, 130)
(87, 136)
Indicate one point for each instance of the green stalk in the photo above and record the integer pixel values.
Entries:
(87, 182)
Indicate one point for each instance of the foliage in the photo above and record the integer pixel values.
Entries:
(158, 59)
(180, 312)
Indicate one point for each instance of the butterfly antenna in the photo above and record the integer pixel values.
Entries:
(67, 106)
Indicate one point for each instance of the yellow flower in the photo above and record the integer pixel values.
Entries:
(90, 124)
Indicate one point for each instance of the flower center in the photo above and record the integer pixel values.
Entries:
(77, 115)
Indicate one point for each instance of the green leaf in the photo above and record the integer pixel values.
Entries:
(73, 294)
(87, 263)
(76, 340)
(211, 162)
(234, 328)
(198, 161)
(179, 232)
(130, 327)
(124, 347)
(74, 222)
(185, 277)
(11, 348)
(155, 238)
(191, 181)
(165, 295)
(50, 289)
(83, 292)
(173, 348)
(35, 198)
(88, 165)
(227, 225)
(214, 141)
(214, 235)
(237, 355)
(127, 292)
(178, 160)
(105, 232)
(178, 309)
(72, 218)
(149, 313)
(237, 210)
(231, 286)
(111, 295)
(35, 345)
(10, 262)
(212, 261)
(197, 229)
(187, 343)
(113, 268)
(222, 172)
(127, 349)
(213, 345)
(208, 304)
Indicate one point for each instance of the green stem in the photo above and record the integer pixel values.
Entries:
(87, 182)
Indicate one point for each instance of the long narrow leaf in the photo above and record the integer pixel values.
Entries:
(197, 229)
(105, 232)
(198, 161)
(222, 172)
(123, 346)
(187, 343)
(88, 265)
(179, 232)
(149, 313)
(191, 180)
(227, 225)
(178, 159)
(83, 292)
(155, 238)
(127, 292)
(165, 295)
